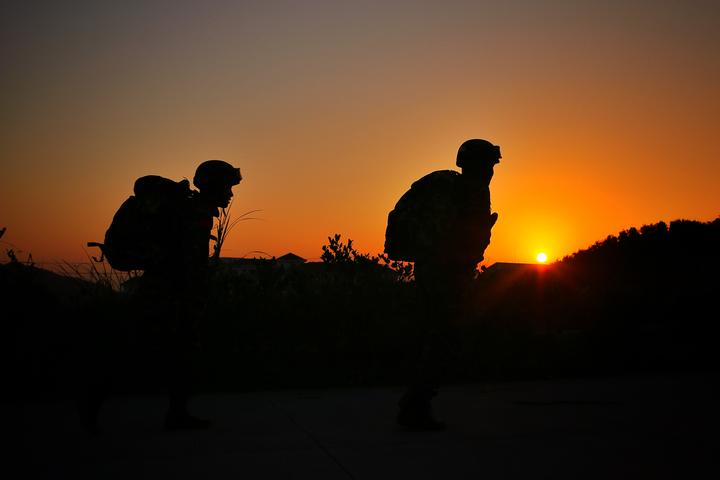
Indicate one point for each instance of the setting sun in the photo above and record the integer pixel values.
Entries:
(541, 257)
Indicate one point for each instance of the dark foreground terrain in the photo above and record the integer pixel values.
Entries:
(653, 426)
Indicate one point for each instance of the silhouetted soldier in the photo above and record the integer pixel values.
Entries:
(173, 290)
(443, 224)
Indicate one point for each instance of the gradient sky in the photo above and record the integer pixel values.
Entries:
(607, 113)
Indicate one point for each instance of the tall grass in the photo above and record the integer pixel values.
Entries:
(98, 272)
(224, 225)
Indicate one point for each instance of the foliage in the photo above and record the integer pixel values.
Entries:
(621, 305)
(338, 253)
(10, 252)
(224, 225)
(99, 273)
(404, 270)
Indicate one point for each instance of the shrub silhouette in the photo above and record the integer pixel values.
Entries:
(640, 300)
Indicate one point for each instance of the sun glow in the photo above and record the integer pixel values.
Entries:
(541, 257)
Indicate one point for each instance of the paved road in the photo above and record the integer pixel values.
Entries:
(649, 427)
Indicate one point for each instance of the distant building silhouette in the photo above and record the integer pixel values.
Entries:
(249, 265)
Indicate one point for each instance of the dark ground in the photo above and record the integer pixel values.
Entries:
(654, 426)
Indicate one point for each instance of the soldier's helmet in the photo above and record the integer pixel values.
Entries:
(477, 151)
(216, 174)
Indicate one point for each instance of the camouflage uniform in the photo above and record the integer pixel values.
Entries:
(171, 295)
(443, 224)
(171, 298)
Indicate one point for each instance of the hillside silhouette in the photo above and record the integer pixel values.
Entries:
(642, 300)
(657, 275)
(664, 270)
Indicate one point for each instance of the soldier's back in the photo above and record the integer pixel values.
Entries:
(437, 216)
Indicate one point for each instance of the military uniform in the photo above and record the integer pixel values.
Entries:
(443, 224)
(171, 299)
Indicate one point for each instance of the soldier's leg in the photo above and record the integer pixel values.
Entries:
(176, 373)
(94, 394)
(179, 376)
(103, 347)
(427, 360)
(442, 289)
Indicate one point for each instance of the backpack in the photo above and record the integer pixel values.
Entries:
(439, 214)
(145, 224)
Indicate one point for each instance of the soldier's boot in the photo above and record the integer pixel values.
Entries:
(416, 410)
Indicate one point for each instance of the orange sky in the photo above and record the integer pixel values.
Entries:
(607, 115)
